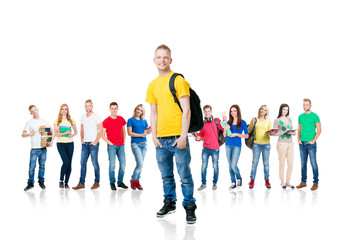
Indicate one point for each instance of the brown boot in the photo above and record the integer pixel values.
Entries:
(95, 186)
(314, 187)
(301, 185)
(79, 186)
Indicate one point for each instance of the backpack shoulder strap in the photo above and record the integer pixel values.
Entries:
(172, 87)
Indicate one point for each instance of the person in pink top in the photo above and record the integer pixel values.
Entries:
(210, 146)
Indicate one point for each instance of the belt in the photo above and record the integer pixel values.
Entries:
(37, 148)
(169, 138)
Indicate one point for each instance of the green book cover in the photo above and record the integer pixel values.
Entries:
(65, 129)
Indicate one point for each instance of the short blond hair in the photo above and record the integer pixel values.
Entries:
(89, 101)
(164, 47)
(307, 100)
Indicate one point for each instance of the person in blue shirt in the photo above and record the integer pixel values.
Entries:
(138, 129)
(233, 143)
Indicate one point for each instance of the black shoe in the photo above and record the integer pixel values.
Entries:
(61, 185)
(66, 185)
(190, 210)
(29, 186)
(122, 185)
(113, 187)
(42, 183)
(168, 208)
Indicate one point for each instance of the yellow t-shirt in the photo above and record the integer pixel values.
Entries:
(169, 115)
(260, 129)
(64, 123)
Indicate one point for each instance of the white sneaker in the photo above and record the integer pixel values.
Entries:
(201, 187)
(232, 186)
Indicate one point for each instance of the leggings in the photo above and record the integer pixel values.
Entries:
(66, 153)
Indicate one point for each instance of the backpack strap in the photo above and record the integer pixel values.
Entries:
(172, 88)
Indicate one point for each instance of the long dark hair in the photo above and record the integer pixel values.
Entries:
(281, 110)
(239, 116)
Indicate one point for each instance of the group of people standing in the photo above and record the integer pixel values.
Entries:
(309, 129)
(112, 131)
(169, 128)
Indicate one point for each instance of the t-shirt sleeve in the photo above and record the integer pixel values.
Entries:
(82, 119)
(123, 121)
(145, 123)
(299, 119)
(129, 123)
(182, 87)
(104, 123)
(317, 120)
(150, 98)
(26, 127)
(245, 127)
(98, 119)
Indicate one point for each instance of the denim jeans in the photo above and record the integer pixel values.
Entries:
(66, 151)
(41, 155)
(306, 150)
(139, 150)
(118, 151)
(165, 157)
(233, 153)
(93, 151)
(214, 153)
(257, 149)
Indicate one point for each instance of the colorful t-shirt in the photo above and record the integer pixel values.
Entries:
(308, 123)
(114, 129)
(209, 132)
(35, 124)
(236, 141)
(137, 126)
(260, 129)
(169, 115)
(65, 125)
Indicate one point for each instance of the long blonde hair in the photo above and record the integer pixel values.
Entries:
(68, 115)
(143, 111)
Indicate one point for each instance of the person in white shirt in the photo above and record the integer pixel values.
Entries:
(38, 150)
(91, 131)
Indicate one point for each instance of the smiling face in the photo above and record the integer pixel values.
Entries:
(113, 110)
(307, 106)
(162, 60)
(207, 113)
(285, 111)
(34, 111)
(233, 112)
(88, 107)
(64, 111)
(263, 111)
(139, 111)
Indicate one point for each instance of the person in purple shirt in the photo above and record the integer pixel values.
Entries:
(233, 144)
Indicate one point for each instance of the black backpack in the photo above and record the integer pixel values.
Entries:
(196, 120)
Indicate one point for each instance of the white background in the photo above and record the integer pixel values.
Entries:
(232, 52)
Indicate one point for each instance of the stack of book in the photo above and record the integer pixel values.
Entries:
(46, 136)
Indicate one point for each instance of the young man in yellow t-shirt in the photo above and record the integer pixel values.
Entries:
(170, 128)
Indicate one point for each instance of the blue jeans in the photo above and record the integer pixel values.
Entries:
(41, 155)
(66, 151)
(118, 151)
(165, 156)
(257, 149)
(139, 150)
(214, 153)
(306, 150)
(233, 153)
(93, 151)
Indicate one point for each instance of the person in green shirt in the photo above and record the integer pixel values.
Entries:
(309, 129)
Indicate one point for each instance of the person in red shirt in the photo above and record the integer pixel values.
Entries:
(210, 146)
(114, 134)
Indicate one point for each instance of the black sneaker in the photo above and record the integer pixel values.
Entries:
(61, 185)
(113, 187)
(168, 208)
(66, 185)
(190, 210)
(42, 183)
(122, 185)
(29, 186)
